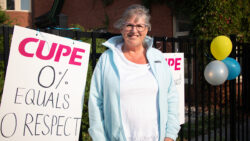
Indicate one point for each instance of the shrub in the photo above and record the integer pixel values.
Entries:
(4, 18)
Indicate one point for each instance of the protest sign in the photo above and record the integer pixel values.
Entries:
(176, 63)
(44, 87)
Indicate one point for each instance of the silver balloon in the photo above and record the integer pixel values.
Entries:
(216, 72)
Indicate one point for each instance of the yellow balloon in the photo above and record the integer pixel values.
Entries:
(221, 47)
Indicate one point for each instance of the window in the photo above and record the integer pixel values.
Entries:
(10, 4)
(181, 28)
(23, 5)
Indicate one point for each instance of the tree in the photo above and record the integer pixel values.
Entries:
(4, 19)
(210, 18)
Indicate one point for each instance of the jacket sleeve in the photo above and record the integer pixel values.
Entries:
(95, 105)
(173, 125)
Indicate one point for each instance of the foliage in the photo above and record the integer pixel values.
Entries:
(86, 137)
(1, 66)
(4, 18)
(99, 49)
(211, 18)
(85, 117)
(220, 17)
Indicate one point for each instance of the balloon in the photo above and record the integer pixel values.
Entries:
(221, 47)
(216, 72)
(233, 68)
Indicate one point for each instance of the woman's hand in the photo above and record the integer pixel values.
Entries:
(168, 139)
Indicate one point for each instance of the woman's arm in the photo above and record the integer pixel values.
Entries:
(173, 125)
(95, 105)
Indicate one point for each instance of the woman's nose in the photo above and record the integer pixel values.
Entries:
(134, 29)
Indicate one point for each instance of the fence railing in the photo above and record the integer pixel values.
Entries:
(212, 112)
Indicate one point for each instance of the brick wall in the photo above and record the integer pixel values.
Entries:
(21, 18)
(93, 14)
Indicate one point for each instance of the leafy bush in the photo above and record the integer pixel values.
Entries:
(85, 118)
(99, 49)
(4, 19)
(220, 17)
(1, 67)
(210, 18)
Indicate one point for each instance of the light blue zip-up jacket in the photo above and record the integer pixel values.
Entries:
(104, 97)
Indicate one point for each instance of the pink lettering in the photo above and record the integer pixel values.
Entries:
(175, 62)
(40, 50)
(74, 56)
(22, 45)
(59, 52)
(72, 53)
(171, 61)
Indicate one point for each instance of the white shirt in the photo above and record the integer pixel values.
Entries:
(138, 96)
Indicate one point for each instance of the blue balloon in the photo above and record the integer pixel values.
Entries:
(233, 67)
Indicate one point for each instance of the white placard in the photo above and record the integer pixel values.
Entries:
(44, 87)
(176, 63)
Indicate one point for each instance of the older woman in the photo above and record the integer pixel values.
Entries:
(132, 94)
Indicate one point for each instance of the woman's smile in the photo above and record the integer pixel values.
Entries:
(132, 33)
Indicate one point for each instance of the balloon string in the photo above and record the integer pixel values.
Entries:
(208, 56)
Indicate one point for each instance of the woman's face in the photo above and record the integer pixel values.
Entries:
(134, 31)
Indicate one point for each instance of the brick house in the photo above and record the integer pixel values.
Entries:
(92, 14)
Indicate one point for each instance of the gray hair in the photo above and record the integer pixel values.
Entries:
(134, 10)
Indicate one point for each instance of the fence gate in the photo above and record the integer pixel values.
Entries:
(213, 113)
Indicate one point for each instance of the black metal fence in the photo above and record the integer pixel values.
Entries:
(212, 112)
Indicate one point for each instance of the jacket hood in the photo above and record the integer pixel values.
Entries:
(113, 41)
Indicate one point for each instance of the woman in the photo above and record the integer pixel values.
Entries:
(132, 94)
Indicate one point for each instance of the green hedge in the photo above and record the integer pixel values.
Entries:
(85, 118)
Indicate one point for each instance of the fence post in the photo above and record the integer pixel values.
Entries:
(63, 20)
(232, 99)
(247, 78)
(247, 82)
(6, 45)
(93, 47)
(62, 23)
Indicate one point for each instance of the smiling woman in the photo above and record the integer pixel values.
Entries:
(132, 94)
